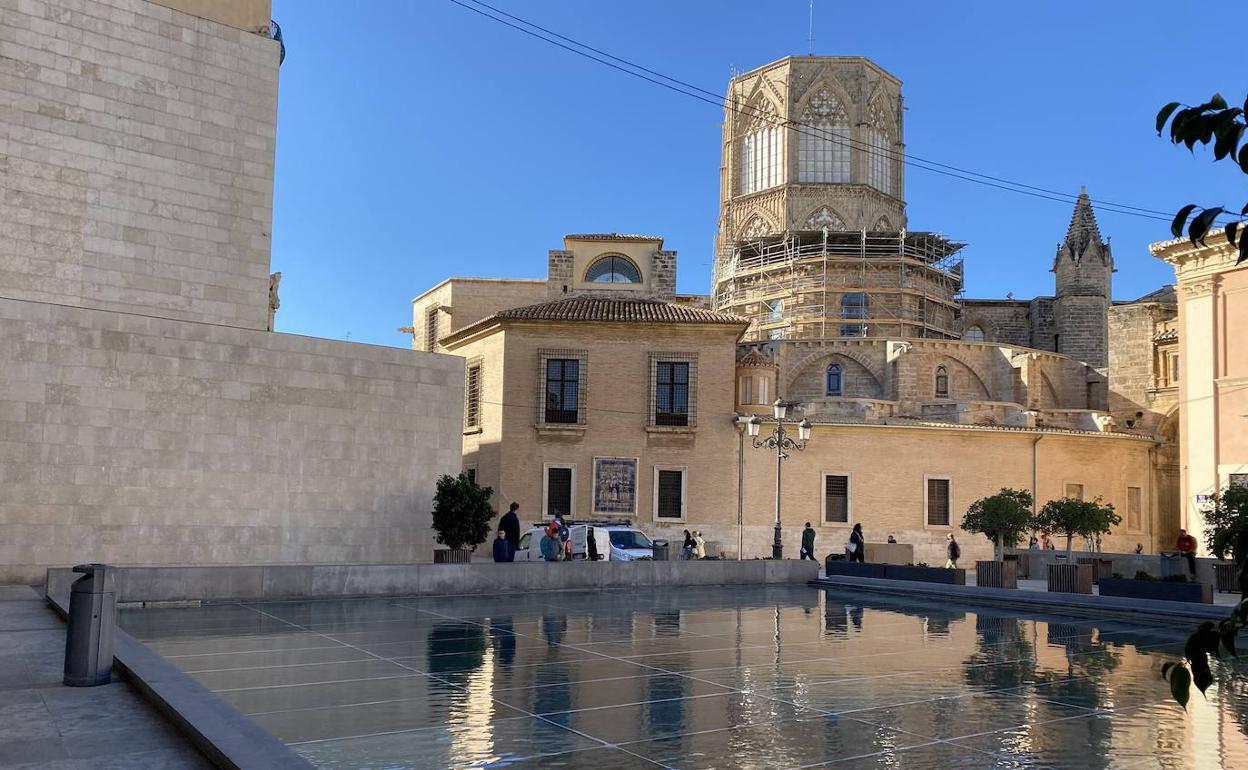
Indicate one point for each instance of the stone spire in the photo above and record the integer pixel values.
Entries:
(1083, 237)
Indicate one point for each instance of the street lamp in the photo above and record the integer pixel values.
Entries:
(780, 441)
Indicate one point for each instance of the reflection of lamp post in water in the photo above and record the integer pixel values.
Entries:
(780, 441)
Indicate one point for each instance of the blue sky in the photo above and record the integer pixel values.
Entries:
(418, 140)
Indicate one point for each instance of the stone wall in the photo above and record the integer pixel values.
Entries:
(1134, 397)
(134, 440)
(1083, 328)
(137, 160)
(1005, 321)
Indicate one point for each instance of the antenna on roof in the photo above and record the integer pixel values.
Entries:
(810, 38)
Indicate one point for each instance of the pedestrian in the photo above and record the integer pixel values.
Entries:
(699, 545)
(1186, 546)
(503, 552)
(892, 540)
(552, 549)
(686, 549)
(591, 545)
(808, 543)
(1033, 543)
(1046, 543)
(510, 524)
(856, 548)
(1139, 548)
(954, 551)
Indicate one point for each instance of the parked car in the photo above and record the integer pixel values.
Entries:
(617, 542)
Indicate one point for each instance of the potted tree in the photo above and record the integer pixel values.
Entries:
(1003, 518)
(1087, 518)
(461, 518)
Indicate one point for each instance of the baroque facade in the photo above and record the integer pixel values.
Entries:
(921, 401)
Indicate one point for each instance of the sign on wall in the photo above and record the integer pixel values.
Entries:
(615, 485)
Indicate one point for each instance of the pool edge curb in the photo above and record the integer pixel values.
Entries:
(224, 735)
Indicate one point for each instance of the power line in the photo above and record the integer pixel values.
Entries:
(688, 89)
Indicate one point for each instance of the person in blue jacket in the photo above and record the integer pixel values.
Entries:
(503, 550)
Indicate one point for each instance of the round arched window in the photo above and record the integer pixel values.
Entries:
(973, 334)
(613, 269)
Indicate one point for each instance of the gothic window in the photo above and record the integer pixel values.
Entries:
(472, 395)
(822, 218)
(942, 382)
(834, 380)
(973, 334)
(756, 228)
(854, 306)
(760, 163)
(431, 329)
(775, 309)
(613, 269)
(879, 143)
(824, 142)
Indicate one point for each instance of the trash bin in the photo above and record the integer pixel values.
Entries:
(659, 550)
(1172, 564)
(92, 618)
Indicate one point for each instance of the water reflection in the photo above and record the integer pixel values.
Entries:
(721, 678)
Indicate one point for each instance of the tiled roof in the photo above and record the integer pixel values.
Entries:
(620, 311)
(612, 237)
(608, 310)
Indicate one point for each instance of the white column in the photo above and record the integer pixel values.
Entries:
(1198, 397)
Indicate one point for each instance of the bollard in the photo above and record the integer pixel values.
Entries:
(92, 618)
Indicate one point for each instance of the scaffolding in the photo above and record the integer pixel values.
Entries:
(825, 284)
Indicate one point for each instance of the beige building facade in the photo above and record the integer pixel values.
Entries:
(147, 416)
(1211, 370)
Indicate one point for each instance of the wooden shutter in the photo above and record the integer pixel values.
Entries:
(938, 502)
(836, 499)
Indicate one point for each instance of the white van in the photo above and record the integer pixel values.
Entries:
(617, 542)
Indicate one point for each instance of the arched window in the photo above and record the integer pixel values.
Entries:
(880, 145)
(973, 334)
(834, 380)
(613, 269)
(823, 146)
(760, 163)
(942, 382)
(854, 306)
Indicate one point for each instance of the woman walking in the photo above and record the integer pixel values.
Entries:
(857, 545)
(686, 550)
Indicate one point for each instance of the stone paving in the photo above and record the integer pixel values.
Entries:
(44, 724)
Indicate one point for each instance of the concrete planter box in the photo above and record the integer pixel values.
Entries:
(953, 577)
(451, 556)
(853, 569)
(1225, 578)
(1200, 593)
(1070, 578)
(996, 574)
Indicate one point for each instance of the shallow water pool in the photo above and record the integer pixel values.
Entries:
(700, 678)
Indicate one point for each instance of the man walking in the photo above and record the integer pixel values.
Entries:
(1186, 546)
(954, 552)
(510, 525)
(808, 543)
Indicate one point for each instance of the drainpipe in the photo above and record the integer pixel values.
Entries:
(736, 421)
(1035, 464)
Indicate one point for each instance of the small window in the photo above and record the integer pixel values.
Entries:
(835, 499)
(1174, 368)
(431, 329)
(471, 473)
(559, 491)
(745, 393)
(472, 397)
(762, 391)
(938, 502)
(775, 334)
(1134, 508)
(613, 269)
(669, 500)
(563, 384)
(1074, 491)
(671, 396)
(942, 382)
(834, 380)
(854, 305)
(973, 334)
(1238, 480)
(775, 309)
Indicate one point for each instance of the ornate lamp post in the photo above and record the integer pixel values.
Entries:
(780, 441)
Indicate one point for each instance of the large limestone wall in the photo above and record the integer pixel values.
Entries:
(136, 159)
(136, 440)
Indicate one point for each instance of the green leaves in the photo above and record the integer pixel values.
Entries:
(1165, 114)
(1180, 685)
(1176, 227)
(1201, 223)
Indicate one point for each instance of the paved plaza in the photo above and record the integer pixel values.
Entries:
(44, 724)
(697, 678)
